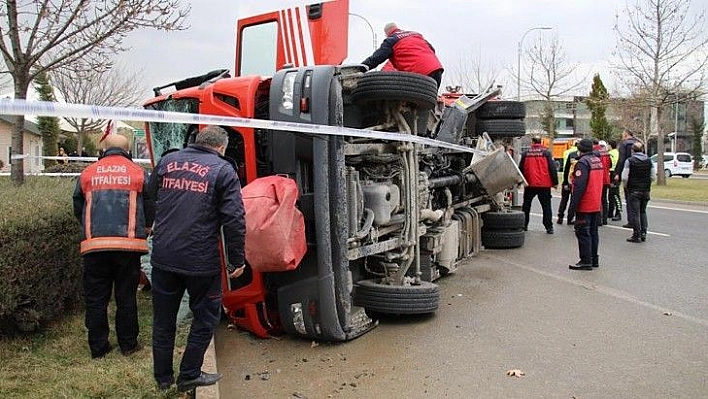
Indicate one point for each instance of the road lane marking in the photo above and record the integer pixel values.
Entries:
(617, 227)
(604, 290)
(677, 209)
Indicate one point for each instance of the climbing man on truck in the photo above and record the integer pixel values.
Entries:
(408, 52)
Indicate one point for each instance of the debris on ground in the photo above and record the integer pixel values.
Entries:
(515, 373)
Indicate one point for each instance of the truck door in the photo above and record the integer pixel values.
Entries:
(316, 34)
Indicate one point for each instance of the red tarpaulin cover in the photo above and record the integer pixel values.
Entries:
(275, 228)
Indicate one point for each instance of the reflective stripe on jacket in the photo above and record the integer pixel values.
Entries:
(111, 201)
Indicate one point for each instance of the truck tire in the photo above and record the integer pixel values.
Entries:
(503, 239)
(503, 220)
(397, 299)
(496, 128)
(501, 110)
(395, 85)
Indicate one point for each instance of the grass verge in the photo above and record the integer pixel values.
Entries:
(57, 363)
(679, 189)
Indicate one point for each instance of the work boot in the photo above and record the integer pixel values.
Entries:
(581, 265)
(204, 379)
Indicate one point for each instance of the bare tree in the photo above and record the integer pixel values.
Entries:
(662, 46)
(43, 35)
(115, 87)
(551, 76)
(473, 75)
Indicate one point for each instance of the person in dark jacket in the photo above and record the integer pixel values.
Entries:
(586, 201)
(116, 212)
(615, 201)
(540, 172)
(625, 151)
(570, 158)
(408, 52)
(637, 175)
(198, 202)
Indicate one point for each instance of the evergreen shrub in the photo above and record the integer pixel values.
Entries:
(40, 265)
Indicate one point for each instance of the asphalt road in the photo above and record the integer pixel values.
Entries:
(635, 327)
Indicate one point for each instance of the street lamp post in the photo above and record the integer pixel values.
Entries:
(373, 33)
(518, 70)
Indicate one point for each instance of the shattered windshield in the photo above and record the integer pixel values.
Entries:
(165, 136)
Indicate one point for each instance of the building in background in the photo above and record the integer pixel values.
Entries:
(573, 120)
(32, 141)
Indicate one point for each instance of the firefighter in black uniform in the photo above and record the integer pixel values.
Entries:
(571, 158)
(198, 194)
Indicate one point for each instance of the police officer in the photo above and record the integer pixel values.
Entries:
(540, 172)
(614, 200)
(116, 211)
(198, 195)
(570, 158)
(586, 202)
(407, 51)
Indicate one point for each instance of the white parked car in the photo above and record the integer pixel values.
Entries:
(676, 164)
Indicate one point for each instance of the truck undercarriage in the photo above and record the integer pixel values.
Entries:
(383, 219)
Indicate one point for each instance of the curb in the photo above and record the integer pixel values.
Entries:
(209, 366)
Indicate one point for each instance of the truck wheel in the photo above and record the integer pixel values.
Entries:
(402, 86)
(501, 110)
(501, 239)
(497, 128)
(503, 220)
(397, 299)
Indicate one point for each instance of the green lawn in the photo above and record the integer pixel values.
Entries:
(676, 188)
(680, 189)
(57, 363)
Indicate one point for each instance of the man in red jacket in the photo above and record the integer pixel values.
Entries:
(586, 201)
(540, 173)
(408, 52)
(600, 148)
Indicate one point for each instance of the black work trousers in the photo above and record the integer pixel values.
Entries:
(104, 272)
(605, 204)
(565, 197)
(615, 201)
(637, 207)
(544, 197)
(588, 237)
(205, 304)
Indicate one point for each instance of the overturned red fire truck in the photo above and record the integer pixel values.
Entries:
(383, 219)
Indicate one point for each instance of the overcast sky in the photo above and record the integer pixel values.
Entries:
(456, 28)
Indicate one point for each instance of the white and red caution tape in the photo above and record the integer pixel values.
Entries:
(44, 108)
